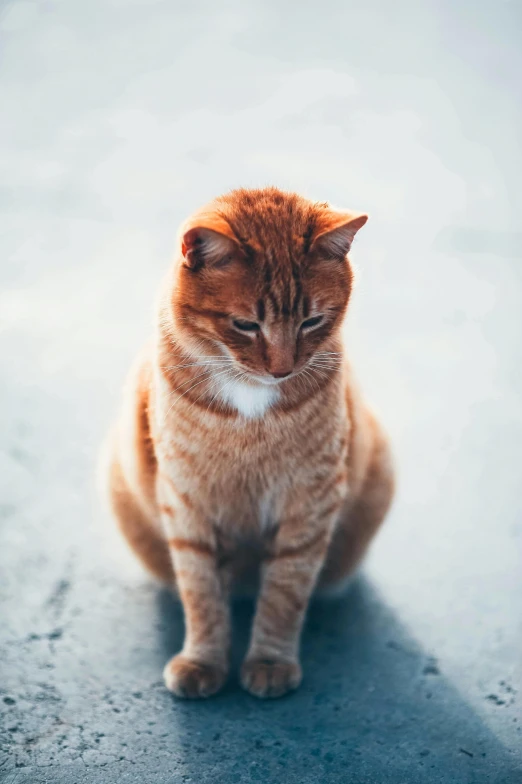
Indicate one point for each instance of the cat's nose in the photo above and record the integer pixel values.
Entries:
(280, 350)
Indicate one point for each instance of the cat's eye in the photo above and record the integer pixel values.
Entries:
(312, 322)
(246, 326)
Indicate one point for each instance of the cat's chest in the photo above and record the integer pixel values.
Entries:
(250, 402)
(240, 470)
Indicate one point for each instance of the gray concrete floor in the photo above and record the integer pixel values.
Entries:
(118, 119)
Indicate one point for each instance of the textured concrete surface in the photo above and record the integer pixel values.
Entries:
(119, 118)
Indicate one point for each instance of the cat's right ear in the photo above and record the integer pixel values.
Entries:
(207, 241)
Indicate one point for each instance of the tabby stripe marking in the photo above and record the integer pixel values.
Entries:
(183, 497)
(187, 544)
(293, 552)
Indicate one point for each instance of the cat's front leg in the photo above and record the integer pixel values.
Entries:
(201, 668)
(272, 666)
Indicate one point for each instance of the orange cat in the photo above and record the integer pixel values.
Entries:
(244, 454)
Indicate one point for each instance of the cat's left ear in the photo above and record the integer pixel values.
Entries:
(207, 240)
(335, 232)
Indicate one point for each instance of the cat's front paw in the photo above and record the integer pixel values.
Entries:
(190, 679)
(270, 677)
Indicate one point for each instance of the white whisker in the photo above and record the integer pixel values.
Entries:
(192, 387)
(217, 363)
(308, 374)
(221, 388)
(320, 373)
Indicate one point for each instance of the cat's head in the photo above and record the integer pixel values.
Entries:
(263, 278)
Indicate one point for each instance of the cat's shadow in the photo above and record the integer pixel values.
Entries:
(372, 702)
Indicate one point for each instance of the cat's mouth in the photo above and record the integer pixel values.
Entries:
(265, 379)
(270, 381)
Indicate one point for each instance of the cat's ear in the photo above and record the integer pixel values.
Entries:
(335, 231)
(207, 240)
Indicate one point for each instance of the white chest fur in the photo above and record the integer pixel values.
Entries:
(248, 399)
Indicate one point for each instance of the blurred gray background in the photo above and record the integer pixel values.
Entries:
(118, 118)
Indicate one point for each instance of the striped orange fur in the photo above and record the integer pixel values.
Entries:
(244, 453)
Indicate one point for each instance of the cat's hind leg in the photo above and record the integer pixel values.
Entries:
(130, 476)
(144, 540)
(359, 520)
